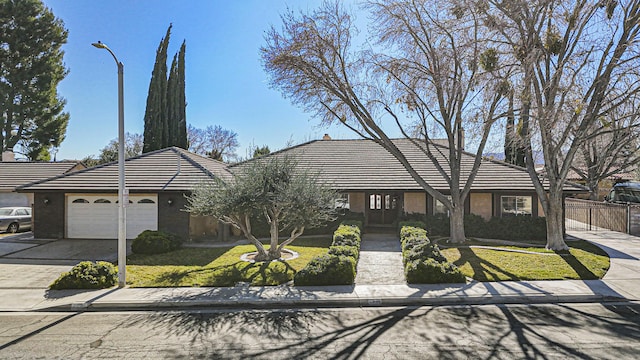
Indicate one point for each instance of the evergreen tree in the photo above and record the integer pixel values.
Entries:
(181, 140)
(514, 152)
(31, 66)
(177, 123)
(165, 121)
(155, 117)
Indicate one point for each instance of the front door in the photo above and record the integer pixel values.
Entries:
(382, 208)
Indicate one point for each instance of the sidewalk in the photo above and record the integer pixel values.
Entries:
(621, 283)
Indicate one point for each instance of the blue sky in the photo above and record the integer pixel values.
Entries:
(225, 82)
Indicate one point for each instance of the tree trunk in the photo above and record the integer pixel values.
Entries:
(555, 221)
(274, 251)
(456, 220)
(594, 190)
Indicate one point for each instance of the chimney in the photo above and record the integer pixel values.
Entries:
(8, 156)
(326, 137)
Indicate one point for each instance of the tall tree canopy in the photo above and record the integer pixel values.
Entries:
(424, 64)
(574, 65)
(165, 122)
(214, 141)
(132, 147)
(31, 66)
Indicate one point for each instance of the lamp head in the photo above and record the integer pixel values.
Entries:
(99, 45)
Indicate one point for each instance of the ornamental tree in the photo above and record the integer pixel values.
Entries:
(289, 198)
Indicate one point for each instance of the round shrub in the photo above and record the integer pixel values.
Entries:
(430, 271)
(327, 270)
(155, 242)
(351, 251)
(87, 275)
(346, 236)
(424, 250)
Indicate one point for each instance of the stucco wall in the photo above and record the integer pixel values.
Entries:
(481, 204)
(356, 202)
(15, 199)
(48, 219)
(415, 202)
(203, 227)
(172, 218)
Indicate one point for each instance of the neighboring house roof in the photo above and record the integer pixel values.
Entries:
(169, 169)
(16, 173)
(366, 165)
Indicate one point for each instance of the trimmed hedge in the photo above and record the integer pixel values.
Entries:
(155, 242)
(342, 250)
(431, 271)
(327, 270)
(423, 262)
(338, 266)
(515, 228)
(346, 235)
(87, 275)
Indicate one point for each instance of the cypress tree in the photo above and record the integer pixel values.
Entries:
(155, 117)
(177, 123)
(513, 148)
(181, 119)
(172, 104)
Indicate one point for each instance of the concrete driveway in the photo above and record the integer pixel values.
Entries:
(28, 263)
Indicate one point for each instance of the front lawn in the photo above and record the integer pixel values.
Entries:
(584, 261)
(218, 266)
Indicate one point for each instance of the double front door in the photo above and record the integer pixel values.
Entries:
(382, 208)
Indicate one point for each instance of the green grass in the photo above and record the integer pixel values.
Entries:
(584, 261)
(218, 266)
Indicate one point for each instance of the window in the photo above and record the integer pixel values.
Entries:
(375, 201)
(146, 201)
(21, 212)
(516, 205)
(102, 201)
(341, 203)
(439, 208)
(80, 201)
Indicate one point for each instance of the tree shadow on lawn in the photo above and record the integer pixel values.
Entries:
(260, 273)
(180, 257)
(577, 266)
(482, 269)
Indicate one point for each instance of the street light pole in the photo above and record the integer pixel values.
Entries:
(122, 199)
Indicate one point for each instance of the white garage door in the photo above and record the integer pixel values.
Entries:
(96, 216)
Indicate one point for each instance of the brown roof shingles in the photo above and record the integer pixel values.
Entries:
(365, 165)
(16, 173)
(169, 169)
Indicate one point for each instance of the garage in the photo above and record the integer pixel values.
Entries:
(84, 204)
(91, 216)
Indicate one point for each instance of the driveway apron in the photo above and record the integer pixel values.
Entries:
(380, 260)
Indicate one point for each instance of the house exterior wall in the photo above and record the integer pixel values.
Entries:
(356, 202)
(172, 217)
(203, 227)
(415, 202)
(15, 199)
(481, 204)
(48, 219)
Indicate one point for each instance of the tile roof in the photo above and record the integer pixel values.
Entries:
(169, 169)
(365, 165)
(16, 173)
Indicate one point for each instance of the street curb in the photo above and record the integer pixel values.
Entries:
(104, 306)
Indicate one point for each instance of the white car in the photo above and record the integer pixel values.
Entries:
(13, 219)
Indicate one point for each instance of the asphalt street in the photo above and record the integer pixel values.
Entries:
(560, 331)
